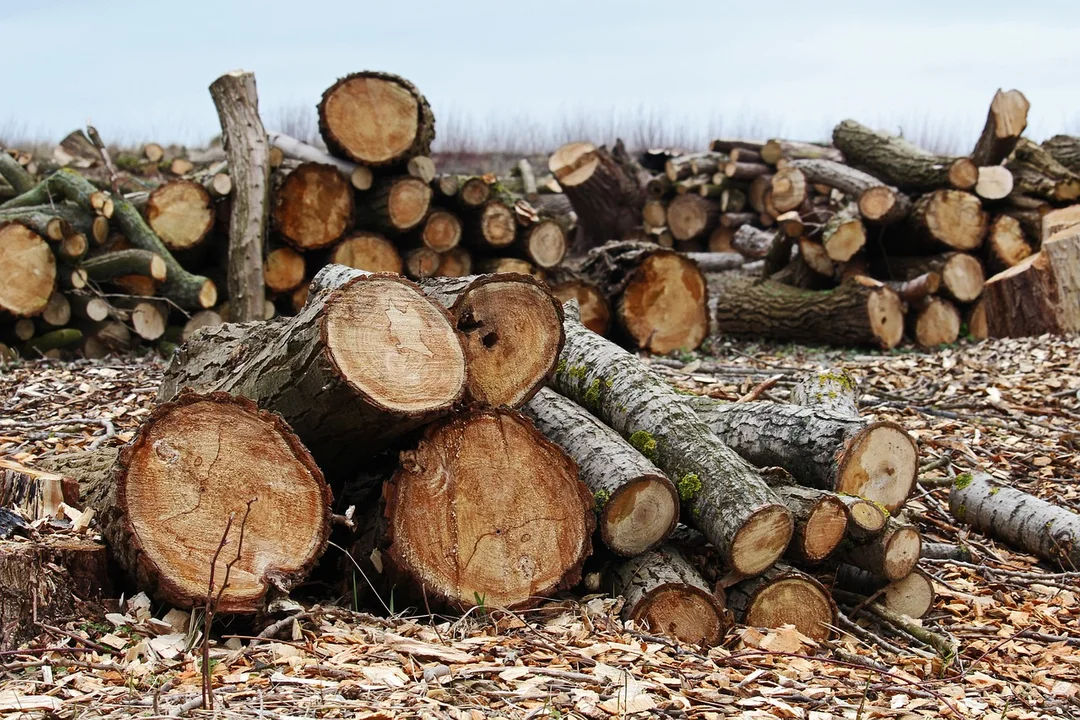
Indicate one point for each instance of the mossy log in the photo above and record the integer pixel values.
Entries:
(511, 329)
(16, 175)
(636, 504)
(1025, 522)
(860, 311)
(722, 495)
(898, 162)
(110, 266)
(784, 596)
(659, 297)
(79, 219)
(165, 520)
(368, 359)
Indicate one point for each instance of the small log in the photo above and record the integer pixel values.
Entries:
(1025, 522)
(528, 179)
(58, 220)
(1065, 149)
(654, 213)
(962, 277)
(164, 520)
(665, 593)
(866, 518)
(1005, 123)
(422, 167)
(752, 243)
(832, 390)
(110, 266)
(884, 205)
(659, 296)
(1005, 244)
(773, 151)
(27, 270)
(88, 306)
(636, 504)
(681, 167)
(843, 234)
(359, 176)
(487, 511)
(394, 205)
(492, 227)
(892, 555)
(934, 321)
(995, 182)
(745, 170)
(691, 216)
(313, 206)
(820, 522)
(422, 263)
(721, 494)
(376, 119)
(898, 162)
(15, 174)
(713, 262)
(947, 551)
(284, 270)
(978, 328)
(787, 189)
(1036, 172)
(454, 263)
(442, 231)
(473, 193)
(367, 251)
(512, 333)
(912, 595)
(543, 243)
(916, 289)
(181, 213)
(784, 596)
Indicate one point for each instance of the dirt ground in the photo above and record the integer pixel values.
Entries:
(1008, 407)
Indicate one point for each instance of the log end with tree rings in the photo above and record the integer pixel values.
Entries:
(368, 251)
(283, 270)
(175, 513)
(442, 231)
(181, 213)
(574, 163)
(408, 202)
(497, 225)
(824, 529)
(544, 243)
(594, 308)
(880, 464)
(27, 270)
(886, 313)
(963, 277)
(782, 596)
(663, 307)
(761, 540)
(313, 208)
(486, 511)
(375, 118)
(394, 348)
(936, 323)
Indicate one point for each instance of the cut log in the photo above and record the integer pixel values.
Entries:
(978, 328)
(1036, 172)
(454, 263)
(15, 174)
(594, 308)
(394, 205)
(636, 504)
(1005, 123)
(912, 595)
(654, 213)
(713, 262)
(376, 119)
(884, 205)
(56, 221)
(787, 189)
(88, 306)
(57, 312)
(832, 390)
(784, 596)
(368, 359)
(691, 216)
(866, 517)
(681, 167)
(773, 151)
(860, 311)
(72, 248)
(313, 206)
(441, 232)
(492, 227)
(843, 234)
(745, 170)
(935, 321)
(474, 192)
(995, 182)
(165, 520)
(664, 593)
(512, 333)
(1025, 522)
(284, 270)
(1065, 149)
(602, 187)
(1054, 221)
(892, 555)
(949, 220)
(821, 449)
(898, 162)
(49, 580)
(820, 521)
(421, 166)
(962, 277)
(51, 341)
(359, 176)
(486, 511)
(248, 151)
(367, 251)
(752, 243)
(659, 296)
(126, 262)
(27, 270)
(1005, 244)
(35, 493)
(422, 263)
(528, 179)
(916, 289)
(205, 318)
(543, 243)
(721, 494)
(69, 185)
(181, 213)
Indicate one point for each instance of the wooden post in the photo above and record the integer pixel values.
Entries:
(249, 166)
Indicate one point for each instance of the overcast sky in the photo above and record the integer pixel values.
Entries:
(140, 70)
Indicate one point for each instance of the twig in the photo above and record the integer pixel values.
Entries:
(945, 646)
(759, 389)
(98, 647)
(270, 631)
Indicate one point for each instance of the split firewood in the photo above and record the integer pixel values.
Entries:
(665, 593)
(313, 206)
(962, 277)
(637, 505)
(367, 251)
(897, 162)
(603, 188)
(368, 359)
(486, 511)
(658, 296)
(1024, 521)
(784, 596)
(27, 270)
(1005, 123)
(722, 495)
(912, 595)
(511, 329)
(891, 555)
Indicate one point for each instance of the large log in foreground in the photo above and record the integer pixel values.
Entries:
(487, 511)
(367, 359)
(511, 330)
(197, 463)
(722, 495)
(637, 504)
(861, 311)
(1022, 520)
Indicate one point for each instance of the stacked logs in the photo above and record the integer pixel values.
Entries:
(411, 423)
(864, 239)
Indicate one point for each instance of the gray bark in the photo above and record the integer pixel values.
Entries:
(891, 555)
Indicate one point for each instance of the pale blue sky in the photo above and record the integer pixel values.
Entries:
(140, 70)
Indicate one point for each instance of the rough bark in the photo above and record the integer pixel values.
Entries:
(376, 119)
(819, 447)
(665, 593)
(947, 220)
(27, 270)
(163, 518)
(860, 311)
(367, 251)
(752, 243)
(898, 162)
(110, 266)
(511, 330)
(181, 213)
(15, 174)
(916, 289)
(784, 596)
(394, 205)
(594, 307)
(962, 277)
(248, 151)
(368, 359)
(1005, 124)
(284, 270)
(722, 495)
(912, 595)
(892, 555)
(1005, 244)
(712, 262)
(659, 296)
(1025, 522)
(1036, 172)
(602, 187)
(843, 234)
(486, 511)
(1065, 149)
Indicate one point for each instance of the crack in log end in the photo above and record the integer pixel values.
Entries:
(407, 330)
